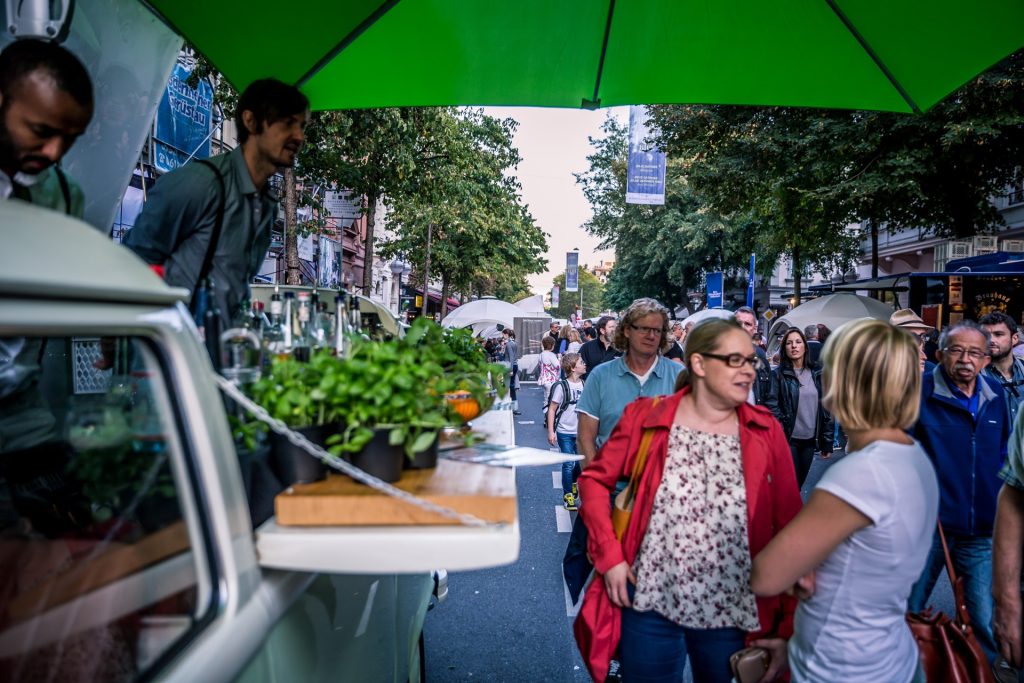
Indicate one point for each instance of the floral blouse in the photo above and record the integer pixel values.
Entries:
(693, 566)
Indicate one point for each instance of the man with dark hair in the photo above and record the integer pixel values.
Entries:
(600, 350)
(1003, 367)
(759, 392)
(46, 103)
(589, 331)
(179, 221)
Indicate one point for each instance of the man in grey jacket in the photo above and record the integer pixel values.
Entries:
(176, 226)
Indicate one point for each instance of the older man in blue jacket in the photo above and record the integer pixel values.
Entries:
(964, 427)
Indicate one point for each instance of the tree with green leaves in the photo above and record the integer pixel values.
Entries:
(461, 213)
(592, 298)
(805, 174)
(660, 251)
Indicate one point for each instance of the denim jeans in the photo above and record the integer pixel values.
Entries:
(972, 560)
(654, 649)
(570, 470)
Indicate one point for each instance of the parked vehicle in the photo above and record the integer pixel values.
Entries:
(127, 550)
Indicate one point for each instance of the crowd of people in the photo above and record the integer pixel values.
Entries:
(722, 552)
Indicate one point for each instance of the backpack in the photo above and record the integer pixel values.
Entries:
(562, 407)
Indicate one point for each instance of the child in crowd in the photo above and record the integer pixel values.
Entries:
(562, 422)
(548, 365)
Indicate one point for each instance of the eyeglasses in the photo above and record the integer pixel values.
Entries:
(959, 351)
(647, 331)
(736, 360)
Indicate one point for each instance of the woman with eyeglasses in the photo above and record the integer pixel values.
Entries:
(795, 400)
(717, 482)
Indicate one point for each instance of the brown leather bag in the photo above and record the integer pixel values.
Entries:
(950, 652)
(622, 508)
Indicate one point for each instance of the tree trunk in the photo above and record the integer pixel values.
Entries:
(293, 275)
(797, 272)
(874, 255)
(371, 220)
(444, 296)
(426, 271)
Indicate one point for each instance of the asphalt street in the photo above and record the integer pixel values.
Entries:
(514, 623)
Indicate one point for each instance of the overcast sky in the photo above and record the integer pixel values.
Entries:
(553, 145)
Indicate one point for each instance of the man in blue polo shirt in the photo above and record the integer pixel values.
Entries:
(964, 427)
(642, 371)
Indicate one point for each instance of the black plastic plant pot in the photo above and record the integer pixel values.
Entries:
(424, 460)
(380, 458)
(293, 465)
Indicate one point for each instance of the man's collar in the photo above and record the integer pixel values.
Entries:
(245, 183)
(623, 368)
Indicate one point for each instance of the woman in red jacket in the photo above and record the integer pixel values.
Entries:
(717, 485)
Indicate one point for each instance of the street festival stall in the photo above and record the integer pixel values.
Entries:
(849, 55)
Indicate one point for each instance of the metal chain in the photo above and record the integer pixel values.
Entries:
(341, 465)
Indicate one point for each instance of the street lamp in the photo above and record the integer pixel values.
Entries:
(398, 269)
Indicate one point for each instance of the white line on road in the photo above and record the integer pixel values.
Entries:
(563, 520)
(556, 479)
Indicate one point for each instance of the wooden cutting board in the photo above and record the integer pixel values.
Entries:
(486, 492)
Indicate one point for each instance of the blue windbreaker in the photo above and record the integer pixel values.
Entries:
(967, 453)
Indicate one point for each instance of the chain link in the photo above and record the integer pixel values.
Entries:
(341, 465)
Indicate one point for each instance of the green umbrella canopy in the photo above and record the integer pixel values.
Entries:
(890, 55)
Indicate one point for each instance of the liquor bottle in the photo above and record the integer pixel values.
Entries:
(273, 331)
(302, 339)
(288, 319)
(341, 325)
(323, 328)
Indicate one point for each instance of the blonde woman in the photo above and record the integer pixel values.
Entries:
(860, 543)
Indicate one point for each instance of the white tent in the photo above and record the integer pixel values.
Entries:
(706, 314)
(483, 313)
(533, 306)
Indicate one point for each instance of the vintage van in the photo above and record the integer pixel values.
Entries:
(127, 548)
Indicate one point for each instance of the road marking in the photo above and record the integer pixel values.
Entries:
(556, 479)
(563, 520)
(527, 422)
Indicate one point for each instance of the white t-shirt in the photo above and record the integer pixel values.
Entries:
(568, 423)
(853, 629)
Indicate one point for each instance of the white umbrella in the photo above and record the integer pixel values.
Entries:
(707, 314)
(831, 311)
(483, 313)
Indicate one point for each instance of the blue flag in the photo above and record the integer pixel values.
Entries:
(716, 297)
(750, 283)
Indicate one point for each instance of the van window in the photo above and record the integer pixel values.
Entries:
(102, 567)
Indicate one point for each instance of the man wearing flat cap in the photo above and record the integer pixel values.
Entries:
(906, 319)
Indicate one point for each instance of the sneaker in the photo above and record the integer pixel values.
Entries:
(569, 502)
(614, 672)
(1003, 671)
(576, 494)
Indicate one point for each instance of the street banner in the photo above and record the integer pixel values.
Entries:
(750, 283)
(554, 296)
(715, 296)
(645, 172)
(572, 271)
(183, 121)
(330, 263)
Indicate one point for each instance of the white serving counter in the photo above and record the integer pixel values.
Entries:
(396, 549)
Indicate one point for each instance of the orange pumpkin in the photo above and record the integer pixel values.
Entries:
(464, 405)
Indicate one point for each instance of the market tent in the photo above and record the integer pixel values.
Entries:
(706, 314)
(831, 311)
(532, 305)
(483, 313)
(898, 55)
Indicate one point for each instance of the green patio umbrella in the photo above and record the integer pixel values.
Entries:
(890, 55)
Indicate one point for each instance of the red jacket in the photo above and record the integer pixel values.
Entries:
(772, 500)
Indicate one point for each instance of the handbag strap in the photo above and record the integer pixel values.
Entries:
(641, 457)
(963, 619)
